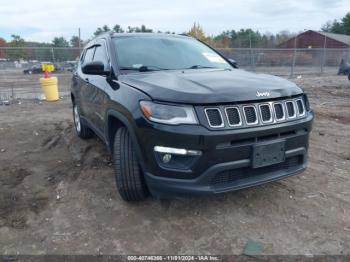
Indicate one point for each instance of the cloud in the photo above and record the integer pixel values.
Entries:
(42, 20)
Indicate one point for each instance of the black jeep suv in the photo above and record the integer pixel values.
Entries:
(180, 119)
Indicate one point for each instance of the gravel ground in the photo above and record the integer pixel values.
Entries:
(58, 196)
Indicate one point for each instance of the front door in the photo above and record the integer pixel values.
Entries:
(97, 85)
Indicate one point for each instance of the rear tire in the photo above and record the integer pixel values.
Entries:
(129, 178)
(82, 130)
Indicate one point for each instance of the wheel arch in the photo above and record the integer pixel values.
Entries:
(116, 120)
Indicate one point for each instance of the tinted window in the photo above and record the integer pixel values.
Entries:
(89, 55)
(165, 53)
(100, 55)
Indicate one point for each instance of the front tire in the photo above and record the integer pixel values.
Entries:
(129, 178)
(82, 130)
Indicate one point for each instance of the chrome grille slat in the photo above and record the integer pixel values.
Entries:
(278, 109)
(290, 109)
(210, 117)
(300, 107)
(262, 108)
(233, 109)
(250, 114)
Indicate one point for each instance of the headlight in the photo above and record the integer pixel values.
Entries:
(168, 114)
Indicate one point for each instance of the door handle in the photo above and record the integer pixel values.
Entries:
(87, 80)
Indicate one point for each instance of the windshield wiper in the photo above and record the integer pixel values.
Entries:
(144, 68)
(129, 68)
(199, 67)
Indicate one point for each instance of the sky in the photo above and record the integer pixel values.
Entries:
(43, 20)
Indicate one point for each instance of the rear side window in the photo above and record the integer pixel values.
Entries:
(89, 54)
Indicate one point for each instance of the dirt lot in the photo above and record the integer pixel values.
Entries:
(57, 193)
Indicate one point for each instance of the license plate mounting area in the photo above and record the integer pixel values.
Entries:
(266, 154)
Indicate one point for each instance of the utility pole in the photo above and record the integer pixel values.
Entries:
(251, 52)
(79, 41)
(324, 54)
(53, 54)
(294, 56)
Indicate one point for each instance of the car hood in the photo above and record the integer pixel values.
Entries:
(202, 86)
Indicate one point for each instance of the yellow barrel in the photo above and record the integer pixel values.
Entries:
(50, 88)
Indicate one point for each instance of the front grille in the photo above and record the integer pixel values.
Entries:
(265, 112)
(300, 106)
(306, 103)
(214, 117)
(290, 109)
(253, 114)
(279, 112)
(250, 115)
(233, 116)
(231, 176)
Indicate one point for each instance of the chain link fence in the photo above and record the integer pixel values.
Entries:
(20, 68)
(288, 62)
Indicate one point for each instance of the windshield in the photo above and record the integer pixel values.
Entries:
(165, 53)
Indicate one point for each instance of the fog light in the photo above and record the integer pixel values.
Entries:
(176, 158)
(166, 158)
(177, 151)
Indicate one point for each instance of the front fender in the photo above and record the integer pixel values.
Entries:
(127, 123)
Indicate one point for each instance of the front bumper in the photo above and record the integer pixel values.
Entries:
(226, 162)
(227, 177)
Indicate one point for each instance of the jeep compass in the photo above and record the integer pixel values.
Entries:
(181, 119)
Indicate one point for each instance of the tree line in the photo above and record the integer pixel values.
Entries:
(28, 50)
(230, 38)
(341, 26)
(243, 38)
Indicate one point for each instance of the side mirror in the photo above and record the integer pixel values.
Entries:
(95, 68)
(233, 62)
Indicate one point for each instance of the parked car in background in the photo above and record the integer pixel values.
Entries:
(344, 68)
(34, 69)
(37, 69)
(69, 66)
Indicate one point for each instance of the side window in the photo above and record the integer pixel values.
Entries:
(100, 54)
(89, 55)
